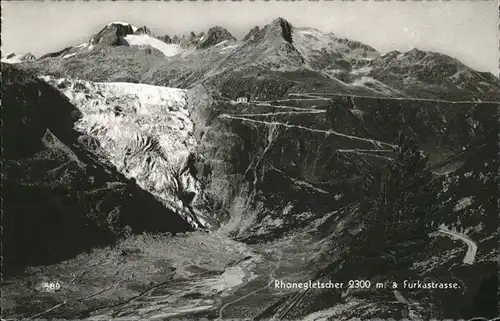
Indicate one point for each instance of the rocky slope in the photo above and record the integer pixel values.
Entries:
(290, 158)
(414, 70)
(469, 211)
(61, 196)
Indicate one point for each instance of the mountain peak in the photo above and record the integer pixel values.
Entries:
(112, 34)
(188, 40)
(166, 39)
(281, 21)
(214, 36)
(251, 34)
(124, 24)
(417, 53)
(143, 31)
(284, 28)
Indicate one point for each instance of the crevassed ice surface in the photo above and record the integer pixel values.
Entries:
(145, 131)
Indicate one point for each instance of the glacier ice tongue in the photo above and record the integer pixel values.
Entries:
(145, 132)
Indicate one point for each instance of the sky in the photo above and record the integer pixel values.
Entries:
(466, 30)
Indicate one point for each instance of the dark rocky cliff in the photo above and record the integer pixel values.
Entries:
(113, 34)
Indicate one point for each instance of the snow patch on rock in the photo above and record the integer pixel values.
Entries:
(123, 24)
(338, 196)
(168, 50)
(230, 47)
(463, 203)
(14, 60)
(372, 84)
(362, 71)
(309, 42)
(69, 55)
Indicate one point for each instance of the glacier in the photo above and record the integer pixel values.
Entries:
(146, 132)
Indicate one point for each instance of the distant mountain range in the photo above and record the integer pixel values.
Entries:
(302, 59)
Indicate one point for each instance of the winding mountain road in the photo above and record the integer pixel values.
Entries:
(470, 255)
(326, 132)
(412, 306)
(320, 95)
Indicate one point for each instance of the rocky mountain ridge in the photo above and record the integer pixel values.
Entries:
(303, 58)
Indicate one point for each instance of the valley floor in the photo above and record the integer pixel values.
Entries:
(200, 275)
(160, 276)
